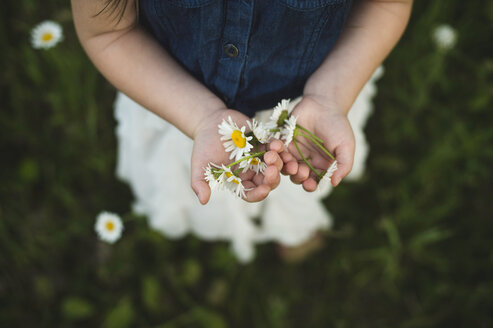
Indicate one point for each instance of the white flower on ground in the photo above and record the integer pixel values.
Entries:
(325, 181)
(280, 113)
(255, 164)
(260, 131)
(445, 37)
(287, 131)
(232, 182)
(236, 141)
(46, 35)
(109, 227)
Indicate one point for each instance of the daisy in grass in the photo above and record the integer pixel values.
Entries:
(255, 164)
(46, 35)
(232, 182)
(287, 131)
(445, 37)
(260, 131)
(280, 113)
(235, 140)
(109, 227)
(325, 180)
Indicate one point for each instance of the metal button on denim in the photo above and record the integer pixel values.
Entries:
(231, 50)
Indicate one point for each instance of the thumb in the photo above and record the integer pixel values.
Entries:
(344, 155)
(202, 190)
(198, 183)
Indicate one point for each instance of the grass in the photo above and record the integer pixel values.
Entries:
(411, 246)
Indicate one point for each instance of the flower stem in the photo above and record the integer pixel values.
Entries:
(311, 134)
(318, 144)
(324, 172)
(247, 157)
(304, 159)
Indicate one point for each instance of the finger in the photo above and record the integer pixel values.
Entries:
(202, 190)
(257, 194)
(248, 184)
(248, 175)
(272, 178)
(273, 158)
(310, 185)
(344, 155)
(276, 145)
(294, 151)
(302, 174)
(258, 179)
(286, 157)
(290, 168)
(198, 183)
(290, 165)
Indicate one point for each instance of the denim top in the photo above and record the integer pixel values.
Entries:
(250, 53)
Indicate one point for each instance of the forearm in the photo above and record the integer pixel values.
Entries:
(138, 66)
(372, 30)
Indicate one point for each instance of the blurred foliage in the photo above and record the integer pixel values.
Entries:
(411, 246)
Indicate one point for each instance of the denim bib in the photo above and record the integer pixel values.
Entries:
(250, 53)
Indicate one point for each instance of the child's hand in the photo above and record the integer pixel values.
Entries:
(332, 126)
(209, 148)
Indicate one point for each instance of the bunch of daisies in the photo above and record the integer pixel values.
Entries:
(244, 149)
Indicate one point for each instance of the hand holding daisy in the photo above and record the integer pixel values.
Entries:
(322, 131)
(250, 178)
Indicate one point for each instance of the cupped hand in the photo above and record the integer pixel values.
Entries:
(209, 148)
(330, 124)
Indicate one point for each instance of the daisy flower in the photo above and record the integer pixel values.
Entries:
(445, 37)
(211, 177)
(326, 178)
(287, 131)
(46, 35)
(236, 141)
(260, 131)
(254, 164)
(280, 113)
(109, 227)
(232, 182)
(273, 130)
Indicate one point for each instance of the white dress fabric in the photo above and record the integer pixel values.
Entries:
(154, 158)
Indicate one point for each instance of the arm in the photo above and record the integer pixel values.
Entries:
(372, 30)
(138, 66)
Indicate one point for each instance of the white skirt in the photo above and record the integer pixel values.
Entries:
(154, 158)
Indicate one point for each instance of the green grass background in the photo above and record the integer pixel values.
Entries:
(412, 244)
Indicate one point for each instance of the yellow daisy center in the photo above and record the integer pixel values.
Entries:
(229, 175)
(47, 37)
(110, 226)
(254, 161)
(238, 139)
